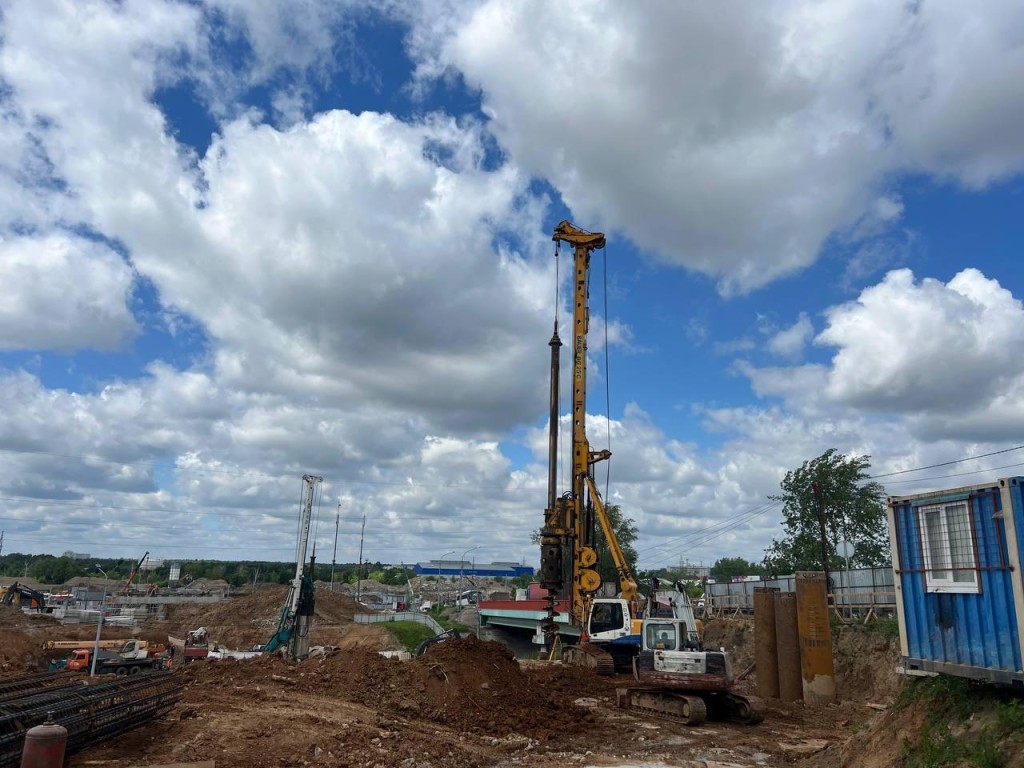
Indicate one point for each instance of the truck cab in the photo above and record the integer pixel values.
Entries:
(610, 620)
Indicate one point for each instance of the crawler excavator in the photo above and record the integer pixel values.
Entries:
(681, 682)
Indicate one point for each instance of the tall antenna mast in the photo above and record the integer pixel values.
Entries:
(359, 565)
(334, 557)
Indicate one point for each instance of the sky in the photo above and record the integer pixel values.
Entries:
(246, 240)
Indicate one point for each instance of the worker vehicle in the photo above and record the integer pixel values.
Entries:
(431, 641)
(134, 656)
(677, 677)
(296, 619)
(36, 600)
(195, 645)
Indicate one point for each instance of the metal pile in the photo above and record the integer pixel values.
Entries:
(91, 713)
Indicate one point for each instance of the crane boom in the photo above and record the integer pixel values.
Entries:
(127, 588)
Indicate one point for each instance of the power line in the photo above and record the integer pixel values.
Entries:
(726, 521)
(700, 538)
(947, 463)
(957, 474)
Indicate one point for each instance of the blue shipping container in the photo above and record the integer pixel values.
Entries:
(959, 590)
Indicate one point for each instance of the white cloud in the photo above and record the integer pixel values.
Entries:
(372, 290)
(926, 346)
(923, 370)
(63, 293)
(734, 141)
(790, 342)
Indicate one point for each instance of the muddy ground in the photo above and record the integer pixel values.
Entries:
(464, 703)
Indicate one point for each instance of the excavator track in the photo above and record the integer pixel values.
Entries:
(747, 710)
(693, 707)
(684, 708)
(590, 656)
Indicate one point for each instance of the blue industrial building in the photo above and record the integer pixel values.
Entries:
(959, 585)
(466, 568)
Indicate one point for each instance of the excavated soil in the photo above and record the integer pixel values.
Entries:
(465, 703)
(248, 619)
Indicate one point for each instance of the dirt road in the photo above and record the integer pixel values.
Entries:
(464, 703)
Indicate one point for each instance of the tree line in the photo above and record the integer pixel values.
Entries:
(51, 569)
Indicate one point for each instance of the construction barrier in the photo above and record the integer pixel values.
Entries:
(860, 594)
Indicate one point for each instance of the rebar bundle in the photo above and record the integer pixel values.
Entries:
(91, 713)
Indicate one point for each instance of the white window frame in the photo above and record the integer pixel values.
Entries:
(934, 580)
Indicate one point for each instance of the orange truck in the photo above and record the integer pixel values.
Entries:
(133, 657)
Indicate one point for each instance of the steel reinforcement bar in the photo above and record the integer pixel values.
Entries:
(91, 713)
(18, 685)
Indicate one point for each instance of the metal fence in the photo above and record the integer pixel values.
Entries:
(859, 593)
(420, 618)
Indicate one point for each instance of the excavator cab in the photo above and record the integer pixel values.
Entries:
(669, 635)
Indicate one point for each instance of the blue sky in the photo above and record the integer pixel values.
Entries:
(241, 241)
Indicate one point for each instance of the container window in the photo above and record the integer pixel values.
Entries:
(947, 539)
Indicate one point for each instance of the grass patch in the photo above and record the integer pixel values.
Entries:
(410, 633)
(949, 702)
(886, 628)
(942, 696)
(438, 615)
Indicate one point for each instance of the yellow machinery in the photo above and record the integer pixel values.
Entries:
(570, 520)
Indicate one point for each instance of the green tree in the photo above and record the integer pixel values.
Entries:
(625, 532)
(394, 576)
(726, 567)
(854, 511)
(521, 582)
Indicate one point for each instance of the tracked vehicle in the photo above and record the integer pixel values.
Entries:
(676, 677)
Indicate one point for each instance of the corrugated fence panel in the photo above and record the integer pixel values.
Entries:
(858, 587)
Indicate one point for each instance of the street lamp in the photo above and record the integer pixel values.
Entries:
(439, 574)
(99, 624)
(462, 570)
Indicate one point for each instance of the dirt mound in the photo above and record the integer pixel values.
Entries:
(865, 663)
(19, 653)
(866, 656)
(469, 684)
(736, 635)
(11, 616)
(248, 619)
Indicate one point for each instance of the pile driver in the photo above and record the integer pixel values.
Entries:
(296, 618)
(568, 553)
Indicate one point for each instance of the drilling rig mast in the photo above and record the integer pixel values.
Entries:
(297, 613)
(568, 553)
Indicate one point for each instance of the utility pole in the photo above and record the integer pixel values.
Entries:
(334, 557)
(816, 490)
(359, 565)
(1, 542)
